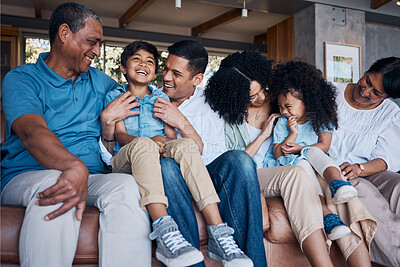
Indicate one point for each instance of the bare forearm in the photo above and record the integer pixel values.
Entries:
(255, 145)
(48, 150)
(124, 138)
(291, 138)
(324, 141)
(107, 132)
(116, 111)
(373, 166)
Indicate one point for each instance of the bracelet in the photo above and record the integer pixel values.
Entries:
(109, 141)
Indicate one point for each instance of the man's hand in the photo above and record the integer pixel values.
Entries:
(172, 116)
(291, 148)
(117, 110)
(169, 113)
(70, 188)
(350, 171)
(292, 124)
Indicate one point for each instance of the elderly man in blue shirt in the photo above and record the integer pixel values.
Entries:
(51, 165)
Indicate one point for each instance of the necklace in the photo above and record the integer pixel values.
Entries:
(255, 113)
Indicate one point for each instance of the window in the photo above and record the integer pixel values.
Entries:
(212, 67)
(110, 59)
(35, 46)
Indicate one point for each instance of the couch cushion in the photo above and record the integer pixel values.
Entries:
(280, 230)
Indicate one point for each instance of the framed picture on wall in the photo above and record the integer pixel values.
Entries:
(342, 62)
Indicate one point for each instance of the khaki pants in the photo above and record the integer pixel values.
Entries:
(304, 210)
(299, 195)
(141, 157)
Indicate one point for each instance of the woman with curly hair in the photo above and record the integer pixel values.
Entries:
(238, 92)
(303, 134)
(224, 92)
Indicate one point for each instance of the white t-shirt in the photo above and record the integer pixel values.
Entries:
(205, 121)
(364, 135)
(265, 146)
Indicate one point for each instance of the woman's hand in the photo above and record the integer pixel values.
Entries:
(292, 124)
(268, 125)
(350, 171)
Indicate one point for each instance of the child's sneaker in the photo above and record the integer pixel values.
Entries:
(342, 191)
(335, 227)
(223, 248)
(172, 247)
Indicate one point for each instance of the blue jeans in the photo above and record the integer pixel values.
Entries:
(235, 179)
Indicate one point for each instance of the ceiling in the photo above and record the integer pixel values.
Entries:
(161, 16)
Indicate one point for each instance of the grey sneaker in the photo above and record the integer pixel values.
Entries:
(221, 247)
(172, 247)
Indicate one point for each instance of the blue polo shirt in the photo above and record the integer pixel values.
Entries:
(71, 111)
(143, 124)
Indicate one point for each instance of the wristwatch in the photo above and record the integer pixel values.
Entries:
(361, 167)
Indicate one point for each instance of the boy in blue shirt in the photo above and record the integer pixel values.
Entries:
(141, 139)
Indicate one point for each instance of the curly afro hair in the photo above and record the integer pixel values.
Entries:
(228, 90)
(308, 84)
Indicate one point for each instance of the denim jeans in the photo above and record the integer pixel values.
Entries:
(235, 179)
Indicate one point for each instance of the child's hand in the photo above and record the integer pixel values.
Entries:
(159, 138)
(268, 125)
(161, 147)
(160, 141)
(292, 124)
(291, 148)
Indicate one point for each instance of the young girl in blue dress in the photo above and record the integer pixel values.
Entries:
(302, 136)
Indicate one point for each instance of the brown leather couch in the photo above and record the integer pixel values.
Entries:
(281, 246)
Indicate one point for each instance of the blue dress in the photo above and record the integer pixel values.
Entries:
(305, 137)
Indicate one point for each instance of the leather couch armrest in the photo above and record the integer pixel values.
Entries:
(265, 215)
(280, 230)
(11, 222)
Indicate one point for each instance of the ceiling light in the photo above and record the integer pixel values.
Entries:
(244, 10)
(178, 4)
(398, 3)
